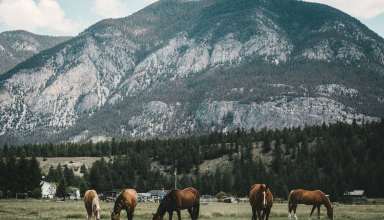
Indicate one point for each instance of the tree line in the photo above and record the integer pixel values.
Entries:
(334, 158)
(19, 175)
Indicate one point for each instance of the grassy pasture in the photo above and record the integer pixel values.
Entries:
(37, 209)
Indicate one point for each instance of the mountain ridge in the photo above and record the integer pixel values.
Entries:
(19, 45)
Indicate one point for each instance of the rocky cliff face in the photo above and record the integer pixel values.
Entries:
(17, 46)
(184, 67)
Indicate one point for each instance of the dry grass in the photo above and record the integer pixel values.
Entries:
(72, 162)
(37, 209)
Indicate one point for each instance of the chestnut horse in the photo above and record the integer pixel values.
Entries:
(177, 200)
(315, 198)
(126, 200)
(92, 204)
(261, 200)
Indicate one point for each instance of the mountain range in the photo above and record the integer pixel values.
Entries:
(18, 46)
(183, 67)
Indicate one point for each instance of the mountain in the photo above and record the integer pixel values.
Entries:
(181, 67)
(17, 46)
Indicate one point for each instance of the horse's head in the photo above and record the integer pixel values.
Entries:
(97, 214)
(157, 216)
(96, 211)
(263, 189)
(115, 216)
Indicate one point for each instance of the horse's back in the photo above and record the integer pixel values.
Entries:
(187, 197)
(308, 197)
(89, 197)
(130, 197)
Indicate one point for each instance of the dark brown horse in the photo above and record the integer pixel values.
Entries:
(315, 198)
(261, 200)
(92, 204)
(126, 200)
(177, 200)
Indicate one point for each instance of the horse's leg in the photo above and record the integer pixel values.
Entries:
(268, 211)
(318, 211)
(259, 214)
(196, 211)
(130, 214)
(290, 207)
(253, 213)
(313, 209)
(170, 215)
(294, 211)
(190, 211)
(178, 214)
(263, 214)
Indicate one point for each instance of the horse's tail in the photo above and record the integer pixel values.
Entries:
(196, 209)
(290, 201)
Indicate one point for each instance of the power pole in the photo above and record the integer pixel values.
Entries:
(175, 173)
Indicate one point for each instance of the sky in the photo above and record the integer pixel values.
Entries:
(70, 17)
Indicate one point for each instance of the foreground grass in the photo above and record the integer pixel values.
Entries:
(37, 209)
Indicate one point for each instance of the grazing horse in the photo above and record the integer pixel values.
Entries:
(92, 204)
(126, 200)
(315, 198)
(177, 200)
(261, 200)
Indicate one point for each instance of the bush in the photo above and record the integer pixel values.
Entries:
(36, 193)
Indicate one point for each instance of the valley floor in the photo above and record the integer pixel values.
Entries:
(37, 209)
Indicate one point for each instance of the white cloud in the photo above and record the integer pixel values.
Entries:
(357, 8)
(34, 15)
(110, 8)
(117, 8)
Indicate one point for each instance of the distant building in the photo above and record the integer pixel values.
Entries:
(48, 190)
(230, 199)
(157, 195)
(144, 197)
(109, 196)
(73, 193)
(208, 198)
(355, 196)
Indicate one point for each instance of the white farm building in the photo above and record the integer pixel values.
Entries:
(48, 190)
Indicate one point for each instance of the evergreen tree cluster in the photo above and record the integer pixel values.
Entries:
(19, 175)
(334, 158)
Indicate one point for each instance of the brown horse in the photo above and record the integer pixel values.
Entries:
(261, 200)
(315, 198)
(126, 200)
(177, 200)
(92, 204)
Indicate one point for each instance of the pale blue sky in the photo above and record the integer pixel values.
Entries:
(69, 17)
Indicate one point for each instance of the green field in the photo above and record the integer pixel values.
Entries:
(37, 209)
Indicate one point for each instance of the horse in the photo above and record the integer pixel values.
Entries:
(315, 198)
(92, 204)
(261, 200)
(127, 200)
(177, 200)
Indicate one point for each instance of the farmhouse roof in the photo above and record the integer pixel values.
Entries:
(355, 193)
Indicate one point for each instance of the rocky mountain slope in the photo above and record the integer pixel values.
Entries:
(17, 46)
(180, 67)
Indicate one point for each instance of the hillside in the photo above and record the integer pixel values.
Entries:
(189, 67)
(18, 46)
